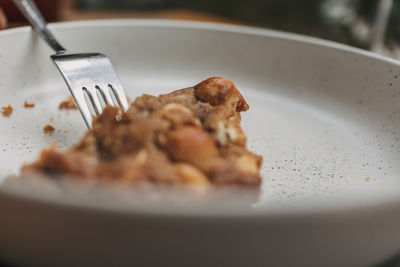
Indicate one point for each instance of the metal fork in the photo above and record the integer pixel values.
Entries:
(90, 77)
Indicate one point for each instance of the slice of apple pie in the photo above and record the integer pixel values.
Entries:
(191, 136)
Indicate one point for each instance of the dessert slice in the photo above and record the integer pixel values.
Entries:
(191, 137)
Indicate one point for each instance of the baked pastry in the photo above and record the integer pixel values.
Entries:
(191, 137)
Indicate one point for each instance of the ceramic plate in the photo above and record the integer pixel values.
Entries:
(325, 117)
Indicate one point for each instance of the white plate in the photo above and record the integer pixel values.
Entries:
(325, 117)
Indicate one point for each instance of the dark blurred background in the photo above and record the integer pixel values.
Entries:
(329, 19)
(361, 23)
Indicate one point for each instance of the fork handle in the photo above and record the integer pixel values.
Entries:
(35, 18)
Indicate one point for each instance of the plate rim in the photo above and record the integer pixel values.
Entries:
(224, 27)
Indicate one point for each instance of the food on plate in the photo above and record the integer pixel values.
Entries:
(191, 136)
(28, 105)
(48, 129)
(68, 104)
(6, 111)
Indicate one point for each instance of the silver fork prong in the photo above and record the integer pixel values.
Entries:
(95, 100)
(120, 95)
(101, 95)
(89, 101)
(83, 107)
(105, 91)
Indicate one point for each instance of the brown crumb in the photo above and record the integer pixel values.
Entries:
(51, 119)
(367, 179)
(7, 110)
(29, 105)
(48, 129)
(65, 131)
(68, 104)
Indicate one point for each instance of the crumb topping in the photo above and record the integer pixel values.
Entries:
(191, 137)
(28, 105)
(68, 104)
(7, 111)
(48, 129)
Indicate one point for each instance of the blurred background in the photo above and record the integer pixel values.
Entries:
(368, 24)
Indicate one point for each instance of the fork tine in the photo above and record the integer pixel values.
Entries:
(105, 91)
(120, 95)
(83, 107)
(95, 101)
